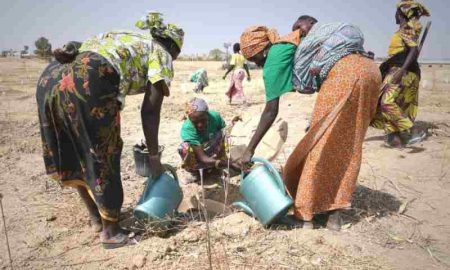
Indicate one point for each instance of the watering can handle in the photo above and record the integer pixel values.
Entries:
(275, 173)
(172, 171)
(169, 169)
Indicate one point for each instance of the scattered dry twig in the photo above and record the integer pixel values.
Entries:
(6, 233)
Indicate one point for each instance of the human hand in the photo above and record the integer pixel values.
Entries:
(308, 90)
(314, 71)
(245, 160)
(235, 119)
(235, 166)
(156, 168)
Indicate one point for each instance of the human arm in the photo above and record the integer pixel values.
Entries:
(150, 116)
(203, 158)
(268, 116)
(230, 68)
(411, 58)
(409, 34)
(248, 72)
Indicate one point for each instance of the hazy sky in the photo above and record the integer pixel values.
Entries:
(209, 23)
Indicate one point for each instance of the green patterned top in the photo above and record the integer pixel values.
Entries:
(135, 56)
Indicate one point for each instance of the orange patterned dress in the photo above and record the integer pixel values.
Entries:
(322, 171)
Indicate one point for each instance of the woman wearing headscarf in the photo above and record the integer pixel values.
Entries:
(200, 78)
(79, 99)
(321, 172)
(265, 48)
(204, 143)
(238, 67)
(398, 104)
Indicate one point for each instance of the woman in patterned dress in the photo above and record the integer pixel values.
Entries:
(239, 68)
(79, 99)
(398, 104)
(200, 78)
(321, 172)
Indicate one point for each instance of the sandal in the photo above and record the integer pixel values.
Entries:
(118, 241)
(417, 137)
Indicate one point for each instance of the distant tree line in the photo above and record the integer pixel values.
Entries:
(43, 49)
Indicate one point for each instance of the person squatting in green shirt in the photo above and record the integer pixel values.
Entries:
(204, 143)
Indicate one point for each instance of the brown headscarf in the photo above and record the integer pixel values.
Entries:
(256, 38)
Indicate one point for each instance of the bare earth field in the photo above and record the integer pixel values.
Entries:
(400, 219)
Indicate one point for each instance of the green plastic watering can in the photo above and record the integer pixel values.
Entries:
(264, 193)
(161, 197)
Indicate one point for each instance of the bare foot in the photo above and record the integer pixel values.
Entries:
(308, 225)
(290, 221)
(96, 223)
(334, 222)
(393, 140)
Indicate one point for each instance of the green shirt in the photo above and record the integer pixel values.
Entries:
(277, 72)
(190, 134)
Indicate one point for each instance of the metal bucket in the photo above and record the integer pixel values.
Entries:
(141, 159)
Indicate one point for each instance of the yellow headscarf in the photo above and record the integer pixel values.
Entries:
(154, 22)
(410, 7)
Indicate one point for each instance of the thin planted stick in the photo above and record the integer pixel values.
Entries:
(6, 233)
(208, 239)
(227, 178)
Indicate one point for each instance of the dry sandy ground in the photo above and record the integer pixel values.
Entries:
(400, 220)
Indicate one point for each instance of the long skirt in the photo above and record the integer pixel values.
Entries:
(322, 171)
(236, 88)
(216, 147)
(398, 103)
(80, 128)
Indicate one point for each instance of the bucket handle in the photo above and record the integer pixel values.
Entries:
(272, 169)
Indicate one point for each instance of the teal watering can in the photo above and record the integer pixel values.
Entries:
(264, 193)
(161, 197)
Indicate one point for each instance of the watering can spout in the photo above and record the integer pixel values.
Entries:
(244, 207)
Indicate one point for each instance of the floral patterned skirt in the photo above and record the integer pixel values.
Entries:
(80, 128)
(398, 103)
(216, 147)
(323, 178)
